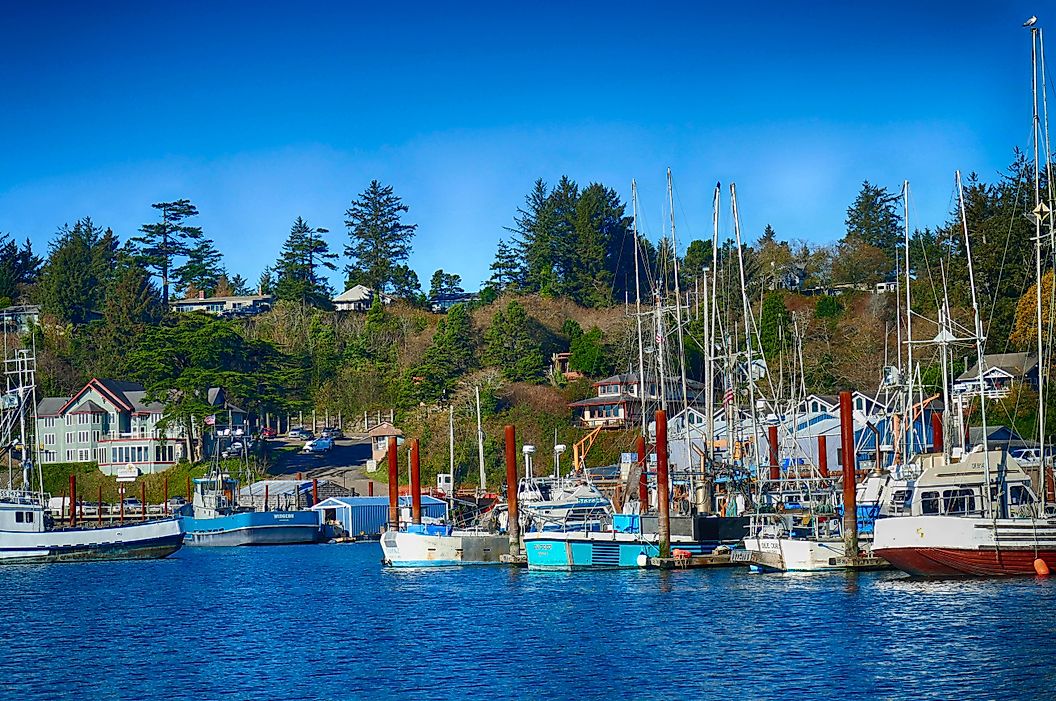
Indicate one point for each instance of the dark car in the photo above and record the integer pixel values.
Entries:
(268, 433)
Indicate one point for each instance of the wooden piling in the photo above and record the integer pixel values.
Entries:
(771, 438)
(315, 491)
(394, 485)
(416, 484)
(643, 477)
(823, 457)
(850, 469)
(370, 488)
(266, 497)
(99, 508)
(662, 487)
(514, 526)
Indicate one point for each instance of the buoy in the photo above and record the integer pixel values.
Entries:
(643, 560)
(1041, 567)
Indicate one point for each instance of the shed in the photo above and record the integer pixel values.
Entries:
(367, 515)
(287, 494)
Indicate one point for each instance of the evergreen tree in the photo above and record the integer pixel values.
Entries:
(240, 286)
(378, 240)
(201, 270)
(510, 347)
(874, 218)
(266, 281)
(298, 269)
(405, 285)
(589, 354)
(131, 305)
(532, 239)
(163, 242)
(507, 270)
(80, 263)
(774, 325)
(444, 284)
(19, 267)
(449, 357)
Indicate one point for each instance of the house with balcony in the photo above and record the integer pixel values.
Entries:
(618, 403)
(112, 423)
(1001, 371)
(359, 298)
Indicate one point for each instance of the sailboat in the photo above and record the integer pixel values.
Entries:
(27, 534)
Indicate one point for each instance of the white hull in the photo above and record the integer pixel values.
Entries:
(147, 540)
(799, 555)
(402, 549)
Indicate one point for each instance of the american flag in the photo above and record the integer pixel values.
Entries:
(728, 397)
(210, 420)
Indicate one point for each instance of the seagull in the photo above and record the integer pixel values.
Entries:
(1031, 22)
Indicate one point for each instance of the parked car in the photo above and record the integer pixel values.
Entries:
(333, 432)
(318, 446)
(131, 504)
(268, 432)
(297, 432)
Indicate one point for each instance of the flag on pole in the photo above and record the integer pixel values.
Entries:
(728, 397)
(210, 420)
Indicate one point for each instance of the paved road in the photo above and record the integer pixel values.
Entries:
(344, 464)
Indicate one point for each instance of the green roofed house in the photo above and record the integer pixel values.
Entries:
(111, 422)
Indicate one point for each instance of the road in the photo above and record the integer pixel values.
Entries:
(345, 464)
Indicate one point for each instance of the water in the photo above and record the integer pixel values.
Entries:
(328, 622)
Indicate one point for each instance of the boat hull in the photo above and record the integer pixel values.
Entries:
(150, 540)
(253, 528)
(403, 549)
(954, 546)
(796, 555)
(591, 550)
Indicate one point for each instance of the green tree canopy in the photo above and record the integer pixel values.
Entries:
(299, 276)
(509, 345)
(162, 243)
(378, 240)
(80, 264)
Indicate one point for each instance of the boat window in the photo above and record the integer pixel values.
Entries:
(958, 501)
(29, 517)
(20, 517)
(929, 503)
(900, 498)
(1018, 495)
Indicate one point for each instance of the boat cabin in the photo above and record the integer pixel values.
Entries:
(20, 512)
(957, 488)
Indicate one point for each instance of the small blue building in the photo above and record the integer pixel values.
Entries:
(368, 515)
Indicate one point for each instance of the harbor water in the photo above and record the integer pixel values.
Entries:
(327, 622)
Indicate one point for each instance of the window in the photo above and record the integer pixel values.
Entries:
(1018, 495)
(95, 436)
(49, 439)
(69, 455)
(958, 501)
(84, 455)
(82, 436)
(69, 419)
(901, 499)
(929, 503)
(29, 517)
(101, 452)
(84, 419)
(71, 436)
(20, 517)
(49, 422)
(96, 418)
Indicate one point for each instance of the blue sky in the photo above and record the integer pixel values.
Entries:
(260, 113)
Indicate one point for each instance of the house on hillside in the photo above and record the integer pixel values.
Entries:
(1001, 371)
(359, 298)
(112, 423)
(618, 403)
(236, 305)
(440, 304)
(379, 440)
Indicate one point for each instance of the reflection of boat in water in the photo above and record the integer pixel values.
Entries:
(215, 518)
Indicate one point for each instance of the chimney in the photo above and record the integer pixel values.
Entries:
(201, 294)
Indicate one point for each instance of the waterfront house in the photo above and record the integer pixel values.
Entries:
(618, 403)
(112, 423)
(1001, 371)
(359, 298)
(236, 305)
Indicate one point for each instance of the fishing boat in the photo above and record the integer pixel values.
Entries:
(27, 531)
(214, 517)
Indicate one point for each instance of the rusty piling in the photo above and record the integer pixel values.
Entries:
(73, 500)
(416, 484)
(937, 442)
(662, 487)
(850, 465)
(394, 485)
(771, 438)
(823, 457)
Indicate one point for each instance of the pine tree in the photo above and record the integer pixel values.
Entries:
(448, 358)
(163, 242)
(507, 270)
(19, 267)
(444, 284)
(774, 325)
(266, 281)
(202, 269)
(131, 305)
(80, 263)
(378, 241)
(510, 347)
(298, 275)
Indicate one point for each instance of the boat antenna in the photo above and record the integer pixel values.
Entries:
(638, 311)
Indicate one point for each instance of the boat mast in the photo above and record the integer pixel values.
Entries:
(709, 328)
(681, 346)
(907, 425)
(1035, 35)
(480, 442)
(638, 310)
(746, 311)
(978, 347)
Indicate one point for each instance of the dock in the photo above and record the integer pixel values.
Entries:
(693, 561)
(515, 560)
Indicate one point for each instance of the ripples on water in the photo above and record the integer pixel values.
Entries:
(328, 622)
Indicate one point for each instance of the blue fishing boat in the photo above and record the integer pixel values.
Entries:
(215, 518)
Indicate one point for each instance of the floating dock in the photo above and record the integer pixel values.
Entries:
(693, 561)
